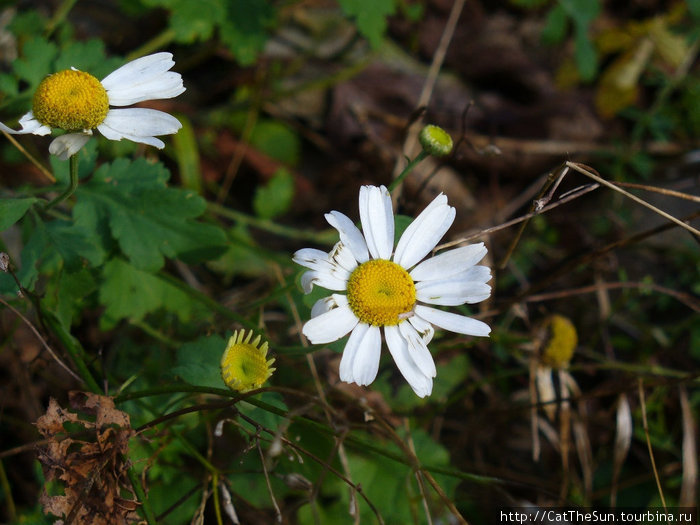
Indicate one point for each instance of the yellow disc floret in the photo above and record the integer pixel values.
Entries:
(561, 341)
(244, 365)
(381, 292)
(70, 100)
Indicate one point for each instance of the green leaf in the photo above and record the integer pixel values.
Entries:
(242, 257)
(88, 56)
(276, 196)
(555, 26)
(73, 244)
(36, 62)
(187, 156)
(585, 55)
(195, 20)
(68, 297)
(277, 141)
(12, 210)
(694, 8)
(199, 362)
(370, 17)
(130, 293)
(149, 220)
(245, 29)
(54, 245)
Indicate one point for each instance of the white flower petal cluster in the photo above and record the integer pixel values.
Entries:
(448, 279)
(146, 78)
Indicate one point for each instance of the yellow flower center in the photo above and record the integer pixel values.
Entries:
(70, 100)
(561, 343)
(380, 292)
(244, 365)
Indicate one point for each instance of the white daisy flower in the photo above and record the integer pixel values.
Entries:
(77, 102)
(390, 291)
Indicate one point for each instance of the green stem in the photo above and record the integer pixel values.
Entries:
(73, 348)
(159, 41)
(59, 16)
(9, 502)
(72, 186)
(407, 170)
(329, 236)
(141, 496)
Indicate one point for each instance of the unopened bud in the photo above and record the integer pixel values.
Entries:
(435, 141)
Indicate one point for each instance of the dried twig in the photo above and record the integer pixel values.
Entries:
(648, 439)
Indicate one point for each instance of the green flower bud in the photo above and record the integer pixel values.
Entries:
(435, 141)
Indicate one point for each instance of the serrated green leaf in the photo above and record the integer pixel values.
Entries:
(276, 196)
(130, 293)
(56, 244)
(67, 298)
(149, 220)
(73, 244)
(12, 210)
(370, 17)
(199, 362)
(195, 20)
(36, 61)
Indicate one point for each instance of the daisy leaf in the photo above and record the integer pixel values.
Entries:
(129, 293)
(149, 220)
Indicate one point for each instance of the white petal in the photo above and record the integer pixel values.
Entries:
(330, 326)
(423, 234)
(325, 272)
(67, 145)
(322, 306)
(323, 279)
(139, 125)
(310, 258)
(450, 292)
(453, 322)
(418, 350)
(29, 125)
(349, 352)
(377, 220)
(350, 235)
(423, 327)
(342, 257)
(421, 384)
(449, 263)
(145, 78)
(365, 363)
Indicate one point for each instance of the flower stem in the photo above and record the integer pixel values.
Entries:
(72, 186)
(408, 169)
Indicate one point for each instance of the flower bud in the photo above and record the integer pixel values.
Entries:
(435, 141)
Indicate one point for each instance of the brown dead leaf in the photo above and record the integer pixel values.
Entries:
(89, 462)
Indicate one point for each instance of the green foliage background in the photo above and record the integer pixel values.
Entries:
(139, 279)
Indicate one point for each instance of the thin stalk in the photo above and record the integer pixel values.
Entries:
(398, 180)
(72, 185)
(328, 236)
(141, 496)
(9, 502)
(74, 349)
